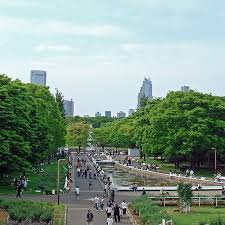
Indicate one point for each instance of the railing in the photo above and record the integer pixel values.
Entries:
(195, 200)
(164, 222)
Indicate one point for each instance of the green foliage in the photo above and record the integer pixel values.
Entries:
(217, 221)
(31, 124)
(119, 134)
(77, 134)
(149, 213)
(185, 195)
(182, 126)
(23, 210)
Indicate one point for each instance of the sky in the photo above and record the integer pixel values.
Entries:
(99, 51)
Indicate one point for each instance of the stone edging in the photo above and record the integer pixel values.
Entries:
(165, 175)
(134, 222)
(65, 215)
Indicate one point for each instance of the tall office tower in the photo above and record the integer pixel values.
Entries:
(121, 114)
(185, 88)
(146, 91)
(108, 114)
(98, 114)
(130, 112)
(69, 107)
(38, 77)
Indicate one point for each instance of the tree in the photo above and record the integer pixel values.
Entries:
(182, 127)
(31, 125)
(185, 196)
(77, 134)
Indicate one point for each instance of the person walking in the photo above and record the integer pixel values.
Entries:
(109, 220)
(109, 210)
(89, 184)
(102, 203)
(124, 206)
(112, 196)
(117, 213)
(97, 203)
(77, 192)
(19, 189)
(90, 217)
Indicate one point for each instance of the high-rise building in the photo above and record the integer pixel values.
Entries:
(69, 107)
(38, 77)
(185, 88)
(108, 114)
(121, 114)
(130, 112)
(146, 91)
(98, 114)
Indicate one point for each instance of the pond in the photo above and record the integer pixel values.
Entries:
(124, 178)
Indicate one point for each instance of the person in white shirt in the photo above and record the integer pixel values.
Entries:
(124, 206)
(77, 192)
(97, 203)
(109, 220)
(109, 210)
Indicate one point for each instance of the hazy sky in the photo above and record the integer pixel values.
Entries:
(98, 51)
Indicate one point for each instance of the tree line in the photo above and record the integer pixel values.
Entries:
(32, 124)
(182, 127)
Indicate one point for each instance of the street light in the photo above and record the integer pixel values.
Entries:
(215, 156)
(58, 179)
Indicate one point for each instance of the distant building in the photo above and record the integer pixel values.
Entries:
(121, 114)
(108, 114)
(98, 114)
(146, 91)
(185, 88)
(38, 77)
(69, 107)
(130, 112)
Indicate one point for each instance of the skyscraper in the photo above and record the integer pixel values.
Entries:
(98, 114)
(130, 112)
(146, 91)
(38, 77)
(185, 88)
(121, 114)
(69, 107)
(108, 114)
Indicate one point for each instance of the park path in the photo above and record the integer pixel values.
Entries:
(77, 209)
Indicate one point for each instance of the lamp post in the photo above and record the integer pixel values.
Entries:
(215, 158)
(58, 180)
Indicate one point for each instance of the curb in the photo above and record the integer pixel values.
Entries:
(65, 215)
(134, 222)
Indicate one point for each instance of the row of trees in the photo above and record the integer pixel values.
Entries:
(181, 127)
(32, 124)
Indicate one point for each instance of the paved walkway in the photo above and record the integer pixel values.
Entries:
(78, 208)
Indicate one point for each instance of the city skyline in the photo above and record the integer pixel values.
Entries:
(99, 59)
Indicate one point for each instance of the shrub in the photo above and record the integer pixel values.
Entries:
(27, 210)
(149, 213)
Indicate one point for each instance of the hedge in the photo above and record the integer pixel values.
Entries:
(149, 213)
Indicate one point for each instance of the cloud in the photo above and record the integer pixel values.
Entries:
(54, 48)
(17, 3)
(14, 25)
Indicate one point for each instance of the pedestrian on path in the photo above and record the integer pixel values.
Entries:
(109, 210)
(124, 206)
(90, 217)
(77, 192)
(117, 213)
(109, 220)
(89, 185)
(97, 203)
(102, 203)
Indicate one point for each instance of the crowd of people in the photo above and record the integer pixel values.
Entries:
(114, 211)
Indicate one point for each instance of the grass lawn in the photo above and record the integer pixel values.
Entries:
(198, 214)
(47, 179)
